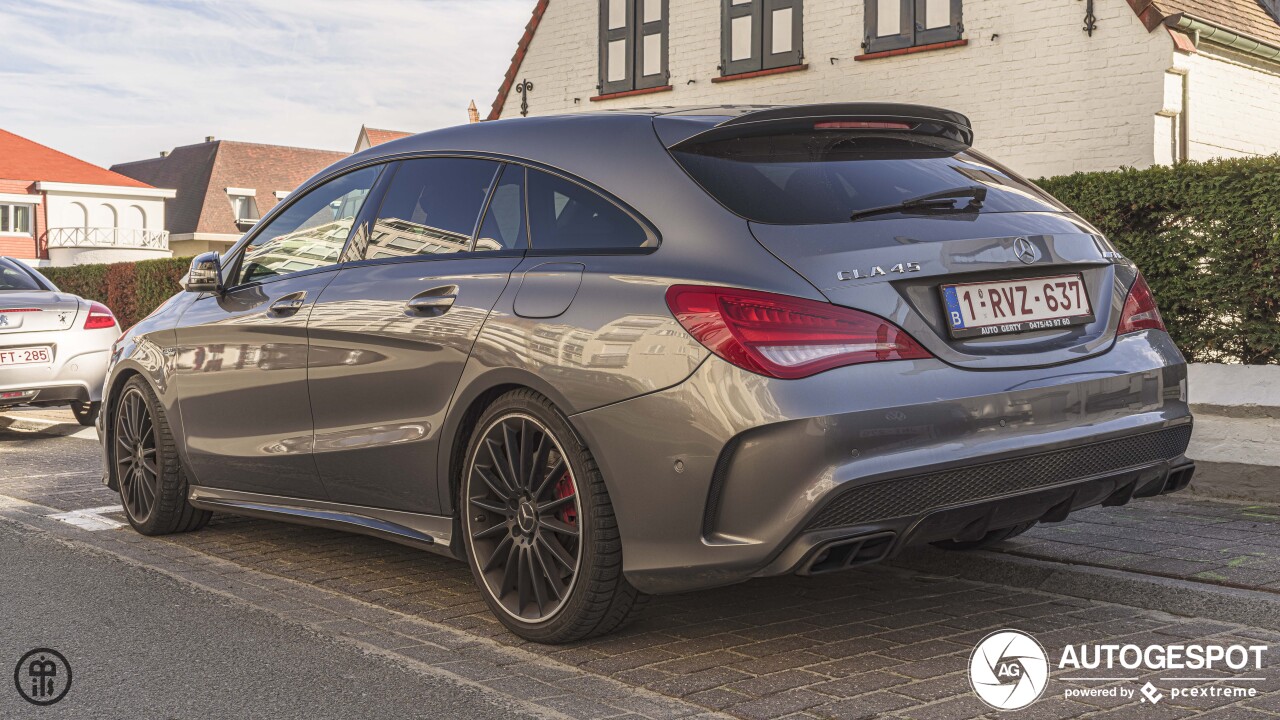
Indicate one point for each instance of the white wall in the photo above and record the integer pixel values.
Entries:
(1234, 104)
(1044, 97)
(65, 210)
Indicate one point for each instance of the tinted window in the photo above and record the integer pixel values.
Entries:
(15, 278)
(310, 233)
(825, 176)
(504, 227)
(566, 216)
(431, 207)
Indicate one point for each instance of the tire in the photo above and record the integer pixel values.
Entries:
(991, 538)
(86, 412)
(154, 494)
(521, 538)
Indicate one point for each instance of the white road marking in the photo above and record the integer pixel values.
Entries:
(90, 519)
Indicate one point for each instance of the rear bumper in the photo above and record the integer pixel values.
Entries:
(77, 373)
(741, 476)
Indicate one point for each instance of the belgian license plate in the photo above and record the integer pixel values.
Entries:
(26, 355)
(1013, 306)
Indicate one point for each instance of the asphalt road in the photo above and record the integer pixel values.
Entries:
(142, 645)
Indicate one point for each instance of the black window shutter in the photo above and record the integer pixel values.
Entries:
(650, 37)
(624, 55)
(743, 12)
(776, 14)
(945, 33)
(905, 37)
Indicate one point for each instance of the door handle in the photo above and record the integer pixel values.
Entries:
(289, 304)
(435, 301)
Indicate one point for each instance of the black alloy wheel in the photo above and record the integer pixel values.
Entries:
(522, 517)
(145, 466)
(137, 469)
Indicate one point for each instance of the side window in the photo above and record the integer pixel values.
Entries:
(896, 24)
(504, 227)
(633, 45)
(759, 35)
(431, 207)
(311, 232)
(564, 215)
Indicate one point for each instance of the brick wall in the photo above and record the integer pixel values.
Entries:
(1234, 104)
(26, 248)
(1044, 97)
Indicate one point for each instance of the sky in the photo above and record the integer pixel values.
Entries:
(117, 80)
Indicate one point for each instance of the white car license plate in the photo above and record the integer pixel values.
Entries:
(1012, 306)
(26, 355)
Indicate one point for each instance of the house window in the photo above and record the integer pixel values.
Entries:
(15, 219)
(633, 45)
(244, 206)
(759, 35)
(896, 24)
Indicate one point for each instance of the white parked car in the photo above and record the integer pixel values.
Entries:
(54, 346)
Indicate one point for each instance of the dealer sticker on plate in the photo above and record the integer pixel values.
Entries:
(1013, 306)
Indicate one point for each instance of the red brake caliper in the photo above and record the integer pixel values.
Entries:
(564, 488)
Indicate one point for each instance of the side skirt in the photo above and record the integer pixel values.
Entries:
(427, 532)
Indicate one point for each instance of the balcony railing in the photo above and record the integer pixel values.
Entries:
(106, 237)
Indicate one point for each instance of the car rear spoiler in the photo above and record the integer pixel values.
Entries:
(771, 120)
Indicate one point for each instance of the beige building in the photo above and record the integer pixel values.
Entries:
(1052, 86)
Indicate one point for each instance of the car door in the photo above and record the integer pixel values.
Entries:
(241, 355)
(391, 335)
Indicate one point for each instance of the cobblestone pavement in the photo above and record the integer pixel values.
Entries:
(1232, 544)
(877, 642)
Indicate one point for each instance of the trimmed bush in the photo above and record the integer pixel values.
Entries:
(131, 290)
(1207, 238)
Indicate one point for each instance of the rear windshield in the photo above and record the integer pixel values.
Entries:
(811, 177)
(14, 278)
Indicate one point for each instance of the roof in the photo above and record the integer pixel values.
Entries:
(23, 159)
(377, 137)
(202, 173)
(521, 48)
(1247, 17)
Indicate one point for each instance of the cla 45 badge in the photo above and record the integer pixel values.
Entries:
(877, 271)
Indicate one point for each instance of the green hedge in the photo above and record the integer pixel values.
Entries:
(131, 290)
(1207, 238)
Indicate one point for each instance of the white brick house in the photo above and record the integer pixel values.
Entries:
(1155, 81)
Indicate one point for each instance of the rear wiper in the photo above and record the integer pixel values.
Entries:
(941, 200)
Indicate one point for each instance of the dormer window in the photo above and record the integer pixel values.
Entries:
(244, 206)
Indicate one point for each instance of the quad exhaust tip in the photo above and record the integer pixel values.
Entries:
(847, 553)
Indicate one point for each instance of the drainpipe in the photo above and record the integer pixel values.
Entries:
(1222, 36)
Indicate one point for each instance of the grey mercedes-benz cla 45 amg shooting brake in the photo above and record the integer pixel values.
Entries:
(613, 354)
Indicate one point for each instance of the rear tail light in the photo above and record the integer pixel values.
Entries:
(786, 337)
(99, 317)
(1140, 311)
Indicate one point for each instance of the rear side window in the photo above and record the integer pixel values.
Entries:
(504, 227)
(431, 207)
(564, 215)
(817, 176)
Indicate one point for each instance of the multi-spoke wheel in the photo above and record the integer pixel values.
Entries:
(540, 534)
(145, 465)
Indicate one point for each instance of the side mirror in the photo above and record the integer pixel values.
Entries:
(205, 274)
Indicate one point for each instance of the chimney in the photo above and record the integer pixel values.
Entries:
(208, 138)
(164, 153)
(473, 115)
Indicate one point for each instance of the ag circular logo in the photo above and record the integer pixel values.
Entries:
(1008, 670)
(43, 676)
